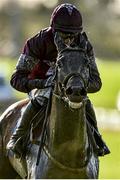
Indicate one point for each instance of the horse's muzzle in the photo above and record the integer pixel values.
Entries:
(75, 93)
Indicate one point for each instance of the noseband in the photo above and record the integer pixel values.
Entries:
(63, 85)
(72, 75)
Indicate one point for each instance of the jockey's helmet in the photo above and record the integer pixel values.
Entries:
(66, 18)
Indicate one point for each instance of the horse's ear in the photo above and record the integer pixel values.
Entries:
(59, 42)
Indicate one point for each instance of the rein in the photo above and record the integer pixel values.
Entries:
(43, 134)
(65, 99)
(43, 146)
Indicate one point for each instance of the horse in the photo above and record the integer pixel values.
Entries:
(65, 146)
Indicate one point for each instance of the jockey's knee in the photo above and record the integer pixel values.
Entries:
(40, 97)
(39, 101)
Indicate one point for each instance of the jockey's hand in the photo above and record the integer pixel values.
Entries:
(40, 83)
(36, 83)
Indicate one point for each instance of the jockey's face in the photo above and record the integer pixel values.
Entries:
(67, 37)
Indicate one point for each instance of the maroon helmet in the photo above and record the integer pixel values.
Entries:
(67, 18)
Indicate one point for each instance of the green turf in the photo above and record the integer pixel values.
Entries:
(110, 75)
(110, 164)
(7, 67)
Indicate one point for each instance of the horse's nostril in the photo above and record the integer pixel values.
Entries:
(69, 91)
(76, 91)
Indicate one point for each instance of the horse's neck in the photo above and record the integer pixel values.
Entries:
(67, 129)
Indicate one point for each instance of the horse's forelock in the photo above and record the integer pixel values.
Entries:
(71, 58)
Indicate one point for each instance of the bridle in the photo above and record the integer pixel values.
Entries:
(62, 85)
(62, 96)
(72, 75)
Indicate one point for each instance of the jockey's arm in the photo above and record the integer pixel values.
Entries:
(27, 61)
(95, 83)
(20, 82)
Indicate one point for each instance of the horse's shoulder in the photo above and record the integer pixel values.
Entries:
(19, 105)
(15, 107)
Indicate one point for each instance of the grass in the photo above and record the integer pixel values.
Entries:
(110, 75)
(110, 164)
(7, 67)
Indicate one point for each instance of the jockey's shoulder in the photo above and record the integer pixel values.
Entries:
(42, 34)
(47, 30)
(36, 43)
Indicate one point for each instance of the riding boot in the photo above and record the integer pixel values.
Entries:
(91, 117)
(17, 140)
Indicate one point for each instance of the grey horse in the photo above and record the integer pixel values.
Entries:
(65, 148)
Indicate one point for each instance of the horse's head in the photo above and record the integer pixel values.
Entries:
(72, 73)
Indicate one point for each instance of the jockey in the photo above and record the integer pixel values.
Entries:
(34, 68)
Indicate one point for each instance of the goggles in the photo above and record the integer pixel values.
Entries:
(65, 35)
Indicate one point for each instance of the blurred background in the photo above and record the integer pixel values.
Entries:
(21, 19)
